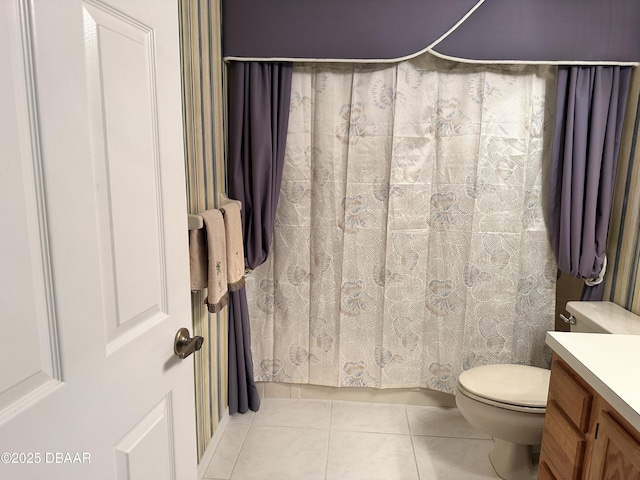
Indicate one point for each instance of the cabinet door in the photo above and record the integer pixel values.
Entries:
(616, 454)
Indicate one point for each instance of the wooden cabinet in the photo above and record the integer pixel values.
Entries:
(584, 437)
(616, 450)
(567, 423)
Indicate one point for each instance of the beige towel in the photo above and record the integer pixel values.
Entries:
(217, 295)
(198, 259)
(235, 250)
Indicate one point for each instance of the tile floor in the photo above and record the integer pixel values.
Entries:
(336, 440)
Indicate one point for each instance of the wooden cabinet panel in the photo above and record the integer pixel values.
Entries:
(544, 472)
(573, 397)
(566, 424)
(563, 446)
(616, 454)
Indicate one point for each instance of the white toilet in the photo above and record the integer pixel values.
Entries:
(508, 402)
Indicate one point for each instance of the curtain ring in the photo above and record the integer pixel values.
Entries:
(592, 282)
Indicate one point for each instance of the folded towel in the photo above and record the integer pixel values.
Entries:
(198, 259)
(235, 250)
(217, 296)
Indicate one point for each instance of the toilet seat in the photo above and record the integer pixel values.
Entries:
(514, 387)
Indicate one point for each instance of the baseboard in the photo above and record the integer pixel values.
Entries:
(408, 396)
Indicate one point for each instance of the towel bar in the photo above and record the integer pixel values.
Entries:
(195, 221)
(222, 199)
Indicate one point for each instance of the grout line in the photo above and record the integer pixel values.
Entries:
(235, 462)
(326, 461)
(406, 414)
(292, 427)
(413, 447)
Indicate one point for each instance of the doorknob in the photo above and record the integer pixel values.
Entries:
(184, 345)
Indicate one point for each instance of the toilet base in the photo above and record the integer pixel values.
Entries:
(513, 461)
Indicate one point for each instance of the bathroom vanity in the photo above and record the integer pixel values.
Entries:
(592, 421)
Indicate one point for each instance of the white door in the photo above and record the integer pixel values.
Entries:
(93, 259)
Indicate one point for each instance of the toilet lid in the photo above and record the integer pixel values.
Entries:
(510, 384)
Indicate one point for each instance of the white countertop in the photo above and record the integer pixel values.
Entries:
(610, 363)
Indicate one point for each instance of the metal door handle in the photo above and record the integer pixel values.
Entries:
(184, 345)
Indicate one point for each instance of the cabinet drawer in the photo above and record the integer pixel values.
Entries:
(563, 446)
(573, 398)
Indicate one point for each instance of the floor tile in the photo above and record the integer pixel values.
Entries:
(282, 453)
(441, 422)
(226, 454)
(453, 458)
(300, 438)
(370, 456)
(369, 417)
(294, 413)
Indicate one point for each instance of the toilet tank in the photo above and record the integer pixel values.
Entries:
(603, 317)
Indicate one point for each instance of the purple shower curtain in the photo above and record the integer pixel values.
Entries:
(258, 111)
(590, 105)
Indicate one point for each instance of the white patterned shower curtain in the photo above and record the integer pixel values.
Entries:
(409, 243)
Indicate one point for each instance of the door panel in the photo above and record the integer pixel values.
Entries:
(29, 360)
(151, 437)
(96, 273)
(127, 170)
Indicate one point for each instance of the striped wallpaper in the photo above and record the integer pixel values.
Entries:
(205, 171)
(622, 284)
